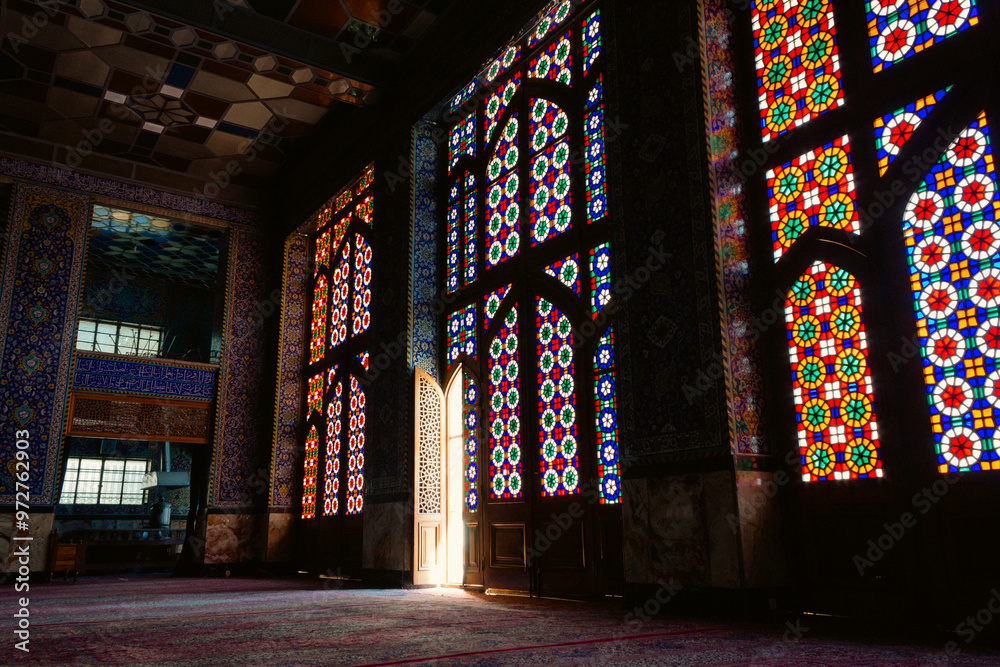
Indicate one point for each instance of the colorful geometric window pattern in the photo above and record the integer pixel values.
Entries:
(816, 189)
(309, 474)
(502, 213)
(316, 393)
(552, 16)
(462, 141)
(560, 460)
(501, 64)
(321, 295)
(591, 41)
(554, 63)
(895, 129)
(453, 247)
(506, 155)
(832, 389)
(492, 305)
(471, 223)
(362, 284)
(322, 252)
(549, 187)
(897, 29)
(331, 491)
(462, 333)
(470, 425)
(497, 104)
(339, 298)
(606, 417)
(953, 247)
(504, 412)
(593, 150)
(600, 277)
(547, 210)
(798, 70)
(356, 450)
(366, 210)
(566, 271)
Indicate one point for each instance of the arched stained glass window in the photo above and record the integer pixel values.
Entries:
(838, 437)
(527, 240)
(342, 307)
(929, 192)
(953, 247)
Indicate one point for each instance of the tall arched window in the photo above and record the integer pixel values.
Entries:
(527, 260)
(876, 161)
(333, 476)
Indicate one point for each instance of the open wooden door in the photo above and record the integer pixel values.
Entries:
(429, 557)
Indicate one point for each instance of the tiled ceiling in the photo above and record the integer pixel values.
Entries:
(154, 246)
(115, 89)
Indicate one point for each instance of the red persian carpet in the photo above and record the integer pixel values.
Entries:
(164, 621)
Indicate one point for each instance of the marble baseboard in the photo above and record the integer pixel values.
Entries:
(279, 537)
(388, 536)
(764, 558)
(234, 538)
(39, 529)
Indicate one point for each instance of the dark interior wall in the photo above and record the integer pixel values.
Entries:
(185, 312)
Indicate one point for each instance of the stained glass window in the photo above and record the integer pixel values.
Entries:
(470, 425)
(339, 298)
(798, 68)
(462, 141)
(600, 277)
(815, 189)
(453, 247)
(566, 271)
(462, 333)
(309, 475)
(554, 63)
(895, 129)
(837, 433)
(953, 247)
(331, 493)
(533, 151)
(321, 295)
(593, 148)
(492, 305)
(316, 393)
(504, 411)
(497, 104)
(471, 225)
(362, 284)
(899, 29)
(322, 251)
(502, 212)
(551, 200)
(356, 451)
(552, 17)
(560, 461)
(591, 41)
(606, 418)
(342, 296)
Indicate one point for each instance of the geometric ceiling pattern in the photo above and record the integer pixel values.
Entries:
(154, 246)
(100, 83)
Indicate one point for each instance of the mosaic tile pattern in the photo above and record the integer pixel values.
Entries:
(44, 256)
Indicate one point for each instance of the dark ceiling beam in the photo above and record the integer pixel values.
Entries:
(267, 34)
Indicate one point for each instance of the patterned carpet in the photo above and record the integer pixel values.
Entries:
(163, 621)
